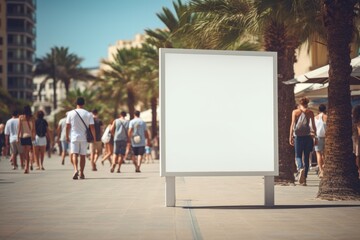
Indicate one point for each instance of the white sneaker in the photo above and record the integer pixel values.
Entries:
(302, 176)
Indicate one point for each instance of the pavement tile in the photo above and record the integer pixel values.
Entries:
(50, 205)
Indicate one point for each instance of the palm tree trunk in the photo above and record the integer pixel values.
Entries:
(340, 179)
(153, 116)
(275, 40)
(54, 91)
(131, 102)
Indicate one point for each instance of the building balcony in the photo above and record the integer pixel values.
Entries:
(19, 44)
(31, 3)
(30, 31)
(29, 16)
(21, 59)
(19, 72)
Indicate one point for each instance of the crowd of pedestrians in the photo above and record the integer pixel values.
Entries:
(307, 135)
(27, 136)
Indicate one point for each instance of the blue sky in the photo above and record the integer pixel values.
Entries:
(88, 27)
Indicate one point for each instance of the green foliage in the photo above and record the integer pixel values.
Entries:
(8, 104)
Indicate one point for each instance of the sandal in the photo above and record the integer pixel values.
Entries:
(76, 175)
(82, 176)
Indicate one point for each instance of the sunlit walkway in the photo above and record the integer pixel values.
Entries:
(50, 205)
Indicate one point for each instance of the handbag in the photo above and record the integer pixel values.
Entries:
(89, 136)
(106, 136)
(137, 139)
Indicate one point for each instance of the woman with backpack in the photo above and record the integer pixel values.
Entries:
(301, 138)
(41, 129)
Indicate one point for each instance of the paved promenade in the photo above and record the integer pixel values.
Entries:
(50, 205)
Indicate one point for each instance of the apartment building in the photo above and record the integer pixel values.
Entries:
(17, 47)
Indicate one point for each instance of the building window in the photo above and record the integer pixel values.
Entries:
(1, 41)
(0, 68)
(50, 85)
(34, 86)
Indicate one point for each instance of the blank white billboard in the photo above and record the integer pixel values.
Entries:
(218, 113)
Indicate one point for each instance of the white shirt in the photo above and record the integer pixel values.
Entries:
(11, 129)
(78, 129)
(62, 124)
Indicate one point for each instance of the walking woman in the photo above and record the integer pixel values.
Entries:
(42, 134)
(109, 148)
(300, 129)
(26, 134)
(320, 122)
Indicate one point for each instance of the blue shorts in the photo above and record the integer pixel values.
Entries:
(65, 146)
(138, 150)
(147, 149)
(120, 147)
(320, 144)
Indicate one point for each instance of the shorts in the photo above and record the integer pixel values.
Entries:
(26, 141)
(79, 147)
(120, 147)
(320, 144)
(96, 147)
(138, 150)
(40, 141)
(148, 150)
(64, 146)
(16, 148)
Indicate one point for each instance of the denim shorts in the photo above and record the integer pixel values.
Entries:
(138, 150)
(120, 147)
(64, 146)
(40, 141)
(320, 144)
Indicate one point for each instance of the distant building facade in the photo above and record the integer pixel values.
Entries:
(314, 54)
(17, 47)
(123, 44)
(44, 99)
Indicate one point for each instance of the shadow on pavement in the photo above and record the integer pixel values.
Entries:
(255, 207)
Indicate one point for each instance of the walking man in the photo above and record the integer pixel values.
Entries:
(77, 122)
(11, 137)
(61, 133)
(119, 130)
(138, 136)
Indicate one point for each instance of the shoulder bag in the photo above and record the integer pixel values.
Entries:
(89, 136)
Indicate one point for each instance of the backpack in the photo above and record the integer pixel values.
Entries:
(97, 126)
(302, 127)
(40, 127)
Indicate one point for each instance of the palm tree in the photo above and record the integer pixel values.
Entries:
(61, 65)
(173, 36)
(256, 22)
(340, 179)
(148, 73)
(121, 78)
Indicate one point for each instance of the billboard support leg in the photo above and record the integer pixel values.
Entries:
(170, 191)
(269, 191)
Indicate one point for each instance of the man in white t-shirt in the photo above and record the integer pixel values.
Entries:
(61, 133)
(75, 127)
(11, 138)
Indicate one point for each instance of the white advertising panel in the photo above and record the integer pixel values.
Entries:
(218, 113)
